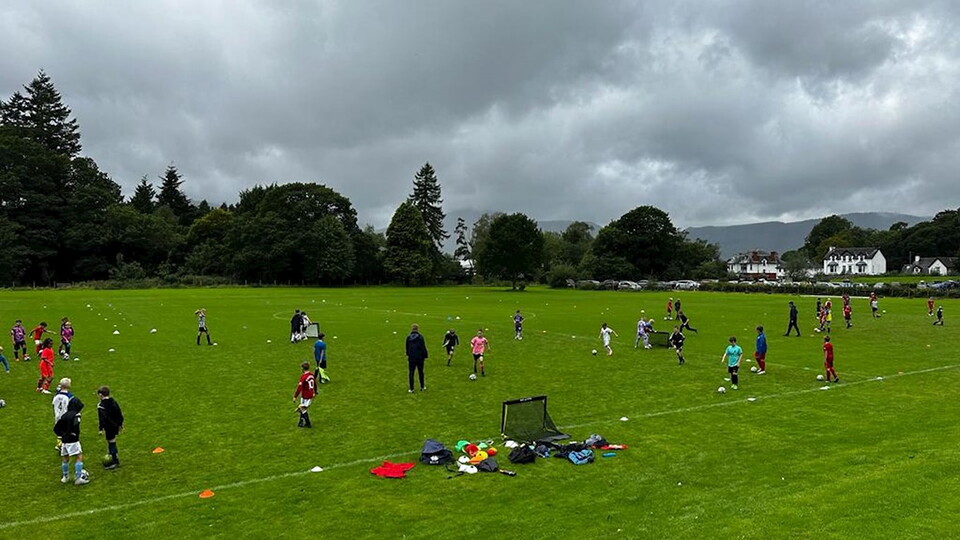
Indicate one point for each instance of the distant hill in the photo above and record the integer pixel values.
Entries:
(779, 236)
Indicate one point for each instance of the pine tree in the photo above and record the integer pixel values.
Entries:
(144, 198)
(426, 197)
(463, 246)
(173, 197)
(43, 116)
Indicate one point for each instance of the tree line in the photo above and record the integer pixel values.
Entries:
(62, 219)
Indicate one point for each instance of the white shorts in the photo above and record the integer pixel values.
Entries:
(606, 342)
(305, 403)
(36, 342)
(70, 449)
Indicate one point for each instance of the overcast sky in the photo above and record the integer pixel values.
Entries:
(717, 112)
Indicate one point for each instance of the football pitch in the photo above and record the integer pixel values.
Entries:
(874, 456)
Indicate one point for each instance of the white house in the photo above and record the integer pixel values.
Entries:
(756, 264)
(854, 260)
(932, 266)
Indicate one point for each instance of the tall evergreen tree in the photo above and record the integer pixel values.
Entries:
(144, 198)
(173, 197)
(43, 116)
(463, 246)
(426, 197)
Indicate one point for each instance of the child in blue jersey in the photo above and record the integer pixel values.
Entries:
(732, 358)
(320, 357)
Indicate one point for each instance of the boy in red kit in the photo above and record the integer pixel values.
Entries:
(46, 367)
(930, 307)
(847, 313)
(306, 389)
(669, 316)
(828, 360)
(38, 333)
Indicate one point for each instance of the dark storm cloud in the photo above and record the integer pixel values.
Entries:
(717, 112)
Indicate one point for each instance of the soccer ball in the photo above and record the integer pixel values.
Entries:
(473, 376)
(107, 460)
(2, 403)
(85, 475)
(66, 356)
(819, 377)
(753, 369)
(593, 352)
(721, 390)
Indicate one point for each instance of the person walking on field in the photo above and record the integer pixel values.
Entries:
(828, 360)
(793, 320)
(202, 325)
(939, 320)
(416, 349)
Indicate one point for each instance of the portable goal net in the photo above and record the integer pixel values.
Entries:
(527, 419)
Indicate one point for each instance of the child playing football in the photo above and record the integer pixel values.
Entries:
(939, 320)
(202, 325)
(760, 354)
(479, 345)
(676, 341)
(38, 333)
(518, 326)
(930, 307)
(828, 360)
(306, 390)
(66, 338)
(731, 357)
(450, 342)
(68, 429)
(111, 424)
(847, 314)
(46, 366)
(18, 334)
(320, 357)
(3, 360)
(605, 333)
(669, 316)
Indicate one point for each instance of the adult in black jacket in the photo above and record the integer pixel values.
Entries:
(793, 320)
(68, 429)
(111, 424)
(416, 348)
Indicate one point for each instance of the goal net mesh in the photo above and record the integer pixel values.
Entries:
(527, 419)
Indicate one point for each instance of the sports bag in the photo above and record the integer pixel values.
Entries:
(435, 453)
(522, 454)
(581, 457)
(488, 465)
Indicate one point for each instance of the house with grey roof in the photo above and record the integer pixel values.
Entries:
(840, 261)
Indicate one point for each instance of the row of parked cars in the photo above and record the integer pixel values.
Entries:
(940, 285)
(643, 284)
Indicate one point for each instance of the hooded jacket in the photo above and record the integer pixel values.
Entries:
(68, 426)
(416, 347)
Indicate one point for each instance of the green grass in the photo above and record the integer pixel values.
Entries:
(867, 458)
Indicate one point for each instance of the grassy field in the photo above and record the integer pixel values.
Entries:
(867, 458)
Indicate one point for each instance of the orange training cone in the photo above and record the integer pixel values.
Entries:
(158, 450)
(206, 494)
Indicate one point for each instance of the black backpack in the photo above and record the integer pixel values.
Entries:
(522, 454)
(435, 453)
(488, 465)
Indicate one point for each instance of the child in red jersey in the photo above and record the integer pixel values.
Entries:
(46, 367)
(306, 389)
(669, 316)
(828, 360)
(847, 314)
(930, 307)
(38, 333)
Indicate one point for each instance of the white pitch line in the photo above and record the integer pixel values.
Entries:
(194, 493)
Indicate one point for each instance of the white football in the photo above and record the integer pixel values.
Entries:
(473, 376)
(753, 369)
(819, 377)
(593, 352)
(2, 403)
(721, 390)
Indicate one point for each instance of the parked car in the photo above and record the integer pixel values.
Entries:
(879, 285)
(610, 284)
(687, 285)
(588, 284)
(628, 286)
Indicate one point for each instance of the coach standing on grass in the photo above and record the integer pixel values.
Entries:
(793, 320)
(416, 348)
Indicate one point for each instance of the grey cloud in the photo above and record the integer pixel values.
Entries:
(715, 111)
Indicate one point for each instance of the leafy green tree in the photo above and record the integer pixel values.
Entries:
(369, 249)
(42, 117)
(13, 255)
(513, 249)
(208, 244)
(828, 227)
(144, 199)
(480, 232)
(644, 238)
(408, 257)
(463, 246)
(426, 197)
(577, 239)
(172, 196)
(331, 260)
(85, 252)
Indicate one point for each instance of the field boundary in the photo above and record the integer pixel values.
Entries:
(341, 465)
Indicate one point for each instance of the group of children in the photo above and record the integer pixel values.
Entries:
(67, 413)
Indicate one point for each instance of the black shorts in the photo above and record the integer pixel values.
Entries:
(19, 344)
(202, 329)
(450, 349)
(733, 369)
(477, 356)
(110, 434)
